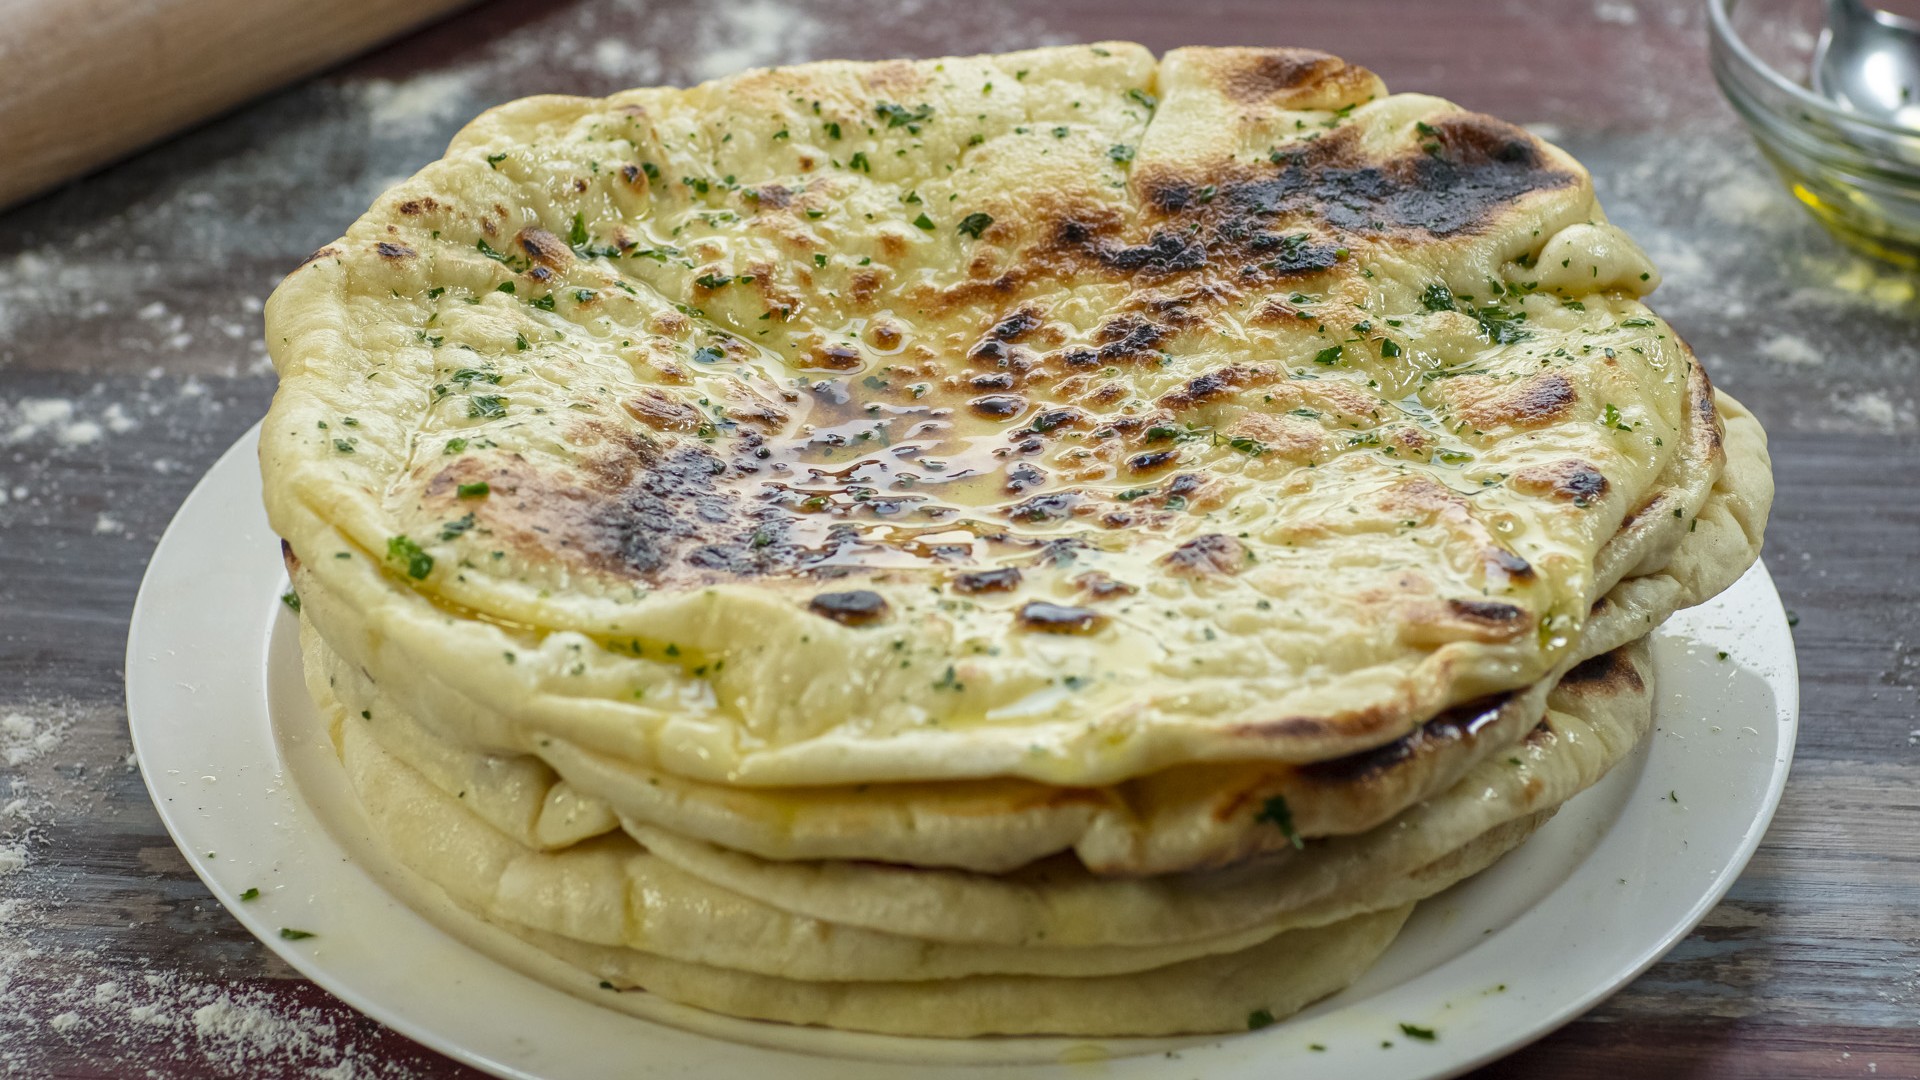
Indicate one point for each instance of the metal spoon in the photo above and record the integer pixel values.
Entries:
(1868, 60)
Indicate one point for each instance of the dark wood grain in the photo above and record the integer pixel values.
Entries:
(133, 296)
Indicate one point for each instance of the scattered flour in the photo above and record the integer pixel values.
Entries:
(1617, 12)
(23, 738)
(415, 106)
(1875, 409)
(61, 421)
(13, 858)
(756, 33)
(108, 525)
(1791, 349)
(618, 60)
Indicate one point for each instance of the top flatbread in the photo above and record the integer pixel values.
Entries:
(1062, 414)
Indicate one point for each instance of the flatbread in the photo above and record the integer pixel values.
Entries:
(1319, 407)
(612, 892)
(1194, 817)
(1599, 711)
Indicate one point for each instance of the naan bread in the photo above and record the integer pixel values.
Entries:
(1598, 712)
(613, 892)
(630, 915)
(1182, 819)
(1084, 416)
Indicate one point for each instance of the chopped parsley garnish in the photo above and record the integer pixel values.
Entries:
(486, 406)
(1389, 348)
(454, 446)
(475, 490)
(974, 224)
(713, 281)
(923, 222)
(901, 116)
(250, 894)
(1415, 1031)
(1249, 447)
(544, 303)
(708, 354)
(495, 159)
(402, 550)
(1143, 97)
(1636, 322)
(1258, 1019)
(858, 162)
(833, 130)
(344, 446)
(291, 599)
(1610, 417)
(1120, 152)
(1437, 298)
(454, 528)
(577, 232)
(1277, 811)
(290, 934)
(1501, 326)
(950, 681)
(505, 287)
(1329, 355)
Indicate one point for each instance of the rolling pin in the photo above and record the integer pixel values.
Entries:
(84, 82)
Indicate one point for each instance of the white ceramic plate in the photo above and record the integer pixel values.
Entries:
(247, 784)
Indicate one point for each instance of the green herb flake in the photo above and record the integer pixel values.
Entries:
(1144, 98)
(974, 224)
(454, 446)
(288, 933)
(1258, 1019)
(900, 116)
(250, 894)
(1415, 1031)
(923, 222)
(505, 287)
(291, 599)
(544, 303)
(1437, 298)
(476, 490)
(1120, 152)
(1389, 348)
(1276, 811)
(486, 406)
(402, 550)
(1329, 355)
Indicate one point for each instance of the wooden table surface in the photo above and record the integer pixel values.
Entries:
(130, 356)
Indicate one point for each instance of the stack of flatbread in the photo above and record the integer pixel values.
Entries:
(1060, 542)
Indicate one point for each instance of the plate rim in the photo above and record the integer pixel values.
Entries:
(145, 728)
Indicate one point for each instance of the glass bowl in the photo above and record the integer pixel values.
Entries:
(1859, 176)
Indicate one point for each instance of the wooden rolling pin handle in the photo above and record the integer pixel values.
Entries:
(84, 82)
